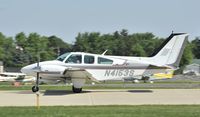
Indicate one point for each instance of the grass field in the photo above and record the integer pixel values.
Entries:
(52, 87)
(183, 84)
(103, 111)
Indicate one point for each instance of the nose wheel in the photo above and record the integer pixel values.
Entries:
(35, 89)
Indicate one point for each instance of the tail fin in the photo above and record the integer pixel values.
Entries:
(171, 50)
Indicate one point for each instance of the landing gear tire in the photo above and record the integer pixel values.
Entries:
(35, 89)
(76, 90)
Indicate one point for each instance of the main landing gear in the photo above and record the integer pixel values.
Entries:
(77, 85)
(76, 90)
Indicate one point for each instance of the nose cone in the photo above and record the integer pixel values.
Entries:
(24, 70)
(33, 68)
(28, 69)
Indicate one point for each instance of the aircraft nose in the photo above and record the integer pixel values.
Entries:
(28, 69)
(25, 69)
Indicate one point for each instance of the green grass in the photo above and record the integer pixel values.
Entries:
(103, 111)
(156, 85)
(63, 87)
(155, 82)
(28, 87)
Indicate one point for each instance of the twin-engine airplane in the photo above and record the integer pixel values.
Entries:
(79, 66)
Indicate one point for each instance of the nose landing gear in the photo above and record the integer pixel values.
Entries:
(36, 87)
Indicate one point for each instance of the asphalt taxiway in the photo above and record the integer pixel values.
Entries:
(102, 97)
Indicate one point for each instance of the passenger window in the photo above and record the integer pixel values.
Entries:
(104, 61)
(74, 58)
(88, 59)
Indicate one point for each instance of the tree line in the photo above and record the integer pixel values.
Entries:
(24, 49)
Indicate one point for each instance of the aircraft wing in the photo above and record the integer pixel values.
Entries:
(78, 73)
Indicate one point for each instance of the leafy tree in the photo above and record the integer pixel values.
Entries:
(21, 39)
(137, 50)
(187, 55)
(58, 45)
(38, 45)
(196, 47)
(2, 38)
(8, 50)
(186, 58)
(124, 32)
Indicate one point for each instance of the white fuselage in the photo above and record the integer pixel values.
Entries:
(112, 68)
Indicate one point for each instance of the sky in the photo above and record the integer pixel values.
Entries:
(66, 18)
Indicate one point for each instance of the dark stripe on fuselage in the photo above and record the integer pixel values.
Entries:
(118, 67)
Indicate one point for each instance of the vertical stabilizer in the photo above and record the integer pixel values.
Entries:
(171, 50)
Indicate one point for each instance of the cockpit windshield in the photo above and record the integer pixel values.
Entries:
(62, 57)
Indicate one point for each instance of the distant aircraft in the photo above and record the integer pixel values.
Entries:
(156, 76)
(79, 66)
(15, 77)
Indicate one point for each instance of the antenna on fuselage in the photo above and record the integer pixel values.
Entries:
(104, 52)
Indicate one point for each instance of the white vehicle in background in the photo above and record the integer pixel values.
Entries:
(15, 77)
(79, 66)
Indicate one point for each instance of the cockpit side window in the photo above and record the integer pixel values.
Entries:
(104, 61)
(62, 57)
(88, 59)
(74, 58)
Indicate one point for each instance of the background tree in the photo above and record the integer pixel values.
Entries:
(37, 44)
(186, 58)
(6, 50)
(2, 38)
(21, 40)
(23, 50)
(21, 56)
(58, 45)
(196, 47)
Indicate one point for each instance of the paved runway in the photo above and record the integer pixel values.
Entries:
(102, 97)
